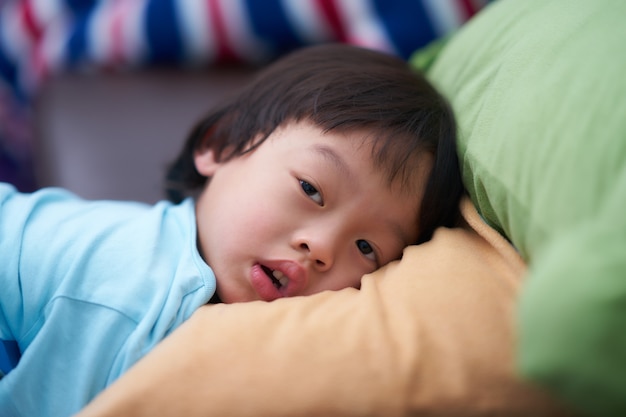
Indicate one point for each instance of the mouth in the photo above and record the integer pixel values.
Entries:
(279, 279)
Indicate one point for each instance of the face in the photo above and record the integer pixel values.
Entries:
(304, 212)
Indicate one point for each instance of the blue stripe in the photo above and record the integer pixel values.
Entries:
(81, 6)
(77, 43)
(407, 23)
(163, 36)
(7, 69)
(8, 75)
(269, 21)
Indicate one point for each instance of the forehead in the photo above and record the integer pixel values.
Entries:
(345, 152)
(398, 163)
(344, 163)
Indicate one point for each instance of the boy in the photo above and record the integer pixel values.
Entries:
(321, 170)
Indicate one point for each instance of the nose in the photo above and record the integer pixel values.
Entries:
(318, 248)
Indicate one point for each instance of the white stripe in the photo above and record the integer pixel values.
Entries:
(98, 32)
(197, 37)
(16, 42)
(52, 46)
(240, 37)
(53, 20)
(444, 15)
(363, 26)
(307, 21)
(46, 12)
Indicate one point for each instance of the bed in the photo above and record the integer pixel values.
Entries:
(519, 311)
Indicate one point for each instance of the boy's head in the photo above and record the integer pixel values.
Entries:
(337, 104)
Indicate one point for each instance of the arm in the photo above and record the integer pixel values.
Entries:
(65, 341)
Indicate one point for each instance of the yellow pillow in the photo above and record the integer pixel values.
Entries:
(431, 334)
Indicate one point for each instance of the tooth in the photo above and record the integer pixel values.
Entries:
(283, 280)
(278, 275)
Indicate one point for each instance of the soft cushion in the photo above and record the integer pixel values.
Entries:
(539, 89)
(431, 334)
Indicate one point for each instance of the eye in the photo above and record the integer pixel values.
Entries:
(312, 192)
(366, 249)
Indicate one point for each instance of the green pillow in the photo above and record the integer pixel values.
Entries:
(539, 89)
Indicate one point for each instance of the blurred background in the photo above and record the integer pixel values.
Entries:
(98, 96)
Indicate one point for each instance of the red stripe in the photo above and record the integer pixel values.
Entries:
(39, 66)
(224, 51)
(331, 14)
(468, 7)
(28, 20)
(40, 69)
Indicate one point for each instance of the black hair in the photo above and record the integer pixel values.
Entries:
(339, 88)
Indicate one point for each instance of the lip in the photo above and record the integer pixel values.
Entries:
(264, 287)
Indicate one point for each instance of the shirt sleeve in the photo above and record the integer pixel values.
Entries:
(30, 228)
(86, 289)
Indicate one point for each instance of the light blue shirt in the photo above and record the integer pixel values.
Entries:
(86, 289)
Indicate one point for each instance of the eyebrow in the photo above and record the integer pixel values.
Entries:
(330, 155)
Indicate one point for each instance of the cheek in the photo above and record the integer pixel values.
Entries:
(257, 218)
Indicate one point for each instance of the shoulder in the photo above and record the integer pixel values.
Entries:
(53, 202)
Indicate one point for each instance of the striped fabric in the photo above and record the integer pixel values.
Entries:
(40, 38)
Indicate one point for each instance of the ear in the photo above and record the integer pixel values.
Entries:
(206, 161)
